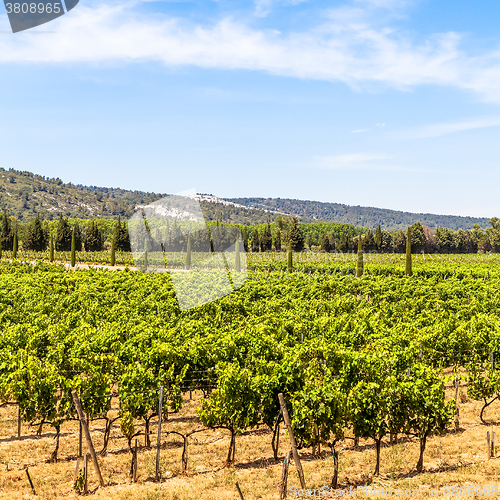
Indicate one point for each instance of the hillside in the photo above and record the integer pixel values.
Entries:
(390, 220)
(23, 194)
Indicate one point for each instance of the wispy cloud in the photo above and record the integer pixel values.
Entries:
(344, 46)
(359, 130)
(440, 129)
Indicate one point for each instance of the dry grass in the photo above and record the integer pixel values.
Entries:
(453, 459)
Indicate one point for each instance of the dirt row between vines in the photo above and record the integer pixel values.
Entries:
(454, 459)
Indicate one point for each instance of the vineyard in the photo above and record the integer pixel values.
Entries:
(380, 366)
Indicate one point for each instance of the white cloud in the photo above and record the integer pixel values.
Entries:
(345, 47)
(440, 129)
(359, 130)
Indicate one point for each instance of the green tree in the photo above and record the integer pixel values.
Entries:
(399, 242)
(369, 242)
(123, 237)
(444, 240)
(35, 237)
(418, 239)
(7, 232)
(94, 239)
(342, 245)
(277, 240)
(325, 244)
(294, 236)
(63, 235)
(245, 239)
(266, 240)
(255, 240)
(78, 237)
(378, 238)
(387, 243)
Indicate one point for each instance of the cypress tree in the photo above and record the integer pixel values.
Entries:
(7, 232)
(123, 239)
(266, 241)
(408, 271)
(277, 240)
(36, 237)
(378, 237)
(245, 239)
(255, 240)
(325, 244)
(113, 256)
(63, 235)
(188, 253)
(51, 257)
(73, 249)
(237, 260)
(294, 235)
(78, 237)
(14, 246)
(0, 248)
(93, 237)
(360, 267)
(290, 258)
(342, 244)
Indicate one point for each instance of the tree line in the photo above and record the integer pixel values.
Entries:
(283, 233)
(37, 235)
(344, 238)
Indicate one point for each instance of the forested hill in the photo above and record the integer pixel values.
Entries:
(23, 194)
(390, 220)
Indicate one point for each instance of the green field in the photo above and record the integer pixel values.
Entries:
(362, 357)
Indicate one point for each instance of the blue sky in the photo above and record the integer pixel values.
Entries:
(365, 102)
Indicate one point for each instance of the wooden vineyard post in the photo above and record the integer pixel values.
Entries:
(19, 423)
(492, 444)
(292, 440)
(284, 475)
(488, 445)
(30, 481)
(158, 441)
(239, 491)
(80, 451)
(457, 416)
(85, 469)
(134, 477)
(77, 468)
(335, 477)
(80, 439)
(86, 431)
